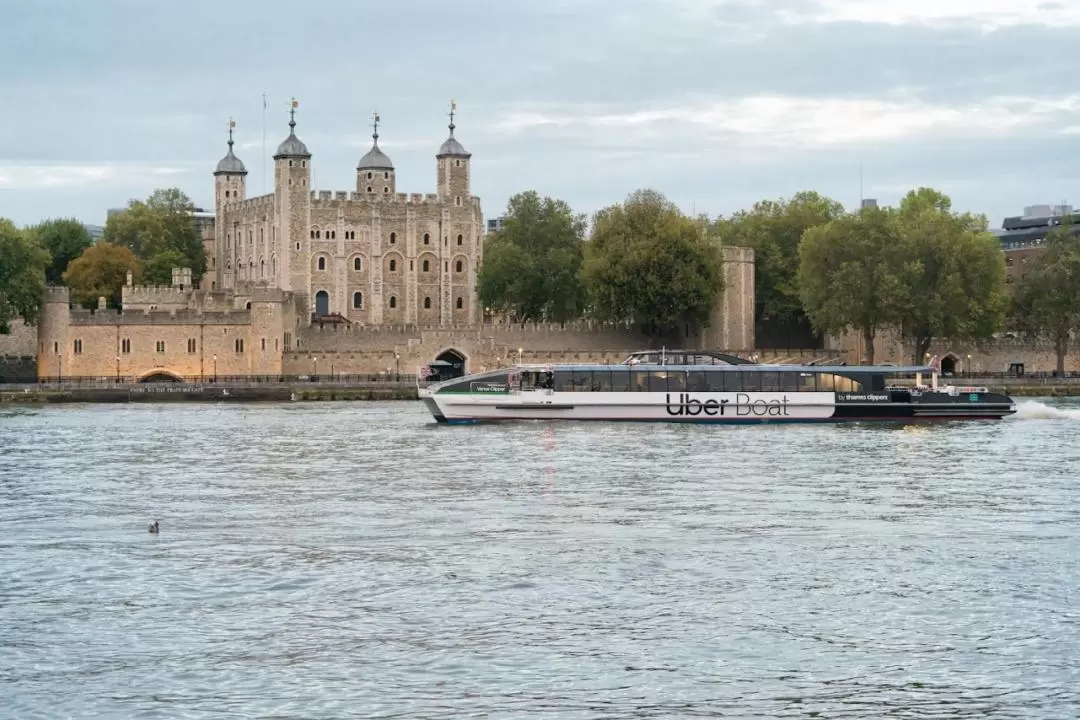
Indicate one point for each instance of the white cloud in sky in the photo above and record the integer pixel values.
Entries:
(49, 176)
(987, 14)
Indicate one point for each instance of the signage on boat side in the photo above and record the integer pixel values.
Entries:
(862, 397)
(744, 405)
(489, 387)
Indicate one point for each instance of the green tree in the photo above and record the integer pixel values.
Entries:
(953, 272)
(1048, 294)
(848, 274)
(648, 263)
(22, 276)
(64, 239)
(532, 265)
(101, 271)
(164, 222)
(774, 229)
(158, 269)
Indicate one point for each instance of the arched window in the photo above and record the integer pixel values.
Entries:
(369, 176)
(358, 300)
(322, 263)
(393, 238)
(460, 303)
(427, 303)
(427, 239)
(357, 265)
(393, 301)
(460, 239)
(426, 266)
(393, 265)
(459, 266)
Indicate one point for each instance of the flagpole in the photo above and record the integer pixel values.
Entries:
(264, 144)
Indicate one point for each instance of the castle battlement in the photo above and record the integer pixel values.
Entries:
(57, 294)
(262, 201)
(351, 196)
(111, 317)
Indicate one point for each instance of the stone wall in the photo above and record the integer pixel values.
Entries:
(21, 341)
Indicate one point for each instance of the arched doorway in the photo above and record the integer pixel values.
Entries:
(948, 364)
(322, 303)
(448, 364)
(160, 376)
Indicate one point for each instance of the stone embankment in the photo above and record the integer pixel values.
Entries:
(206, 392)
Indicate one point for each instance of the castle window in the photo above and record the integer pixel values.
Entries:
(312, 234)
(290, 163)
(460, 239)
(369, 188)
(393, 265)
(457, 201)
(358, 301)
(357, 265)
(191, 345)
(393, 301)
(78, 347)
(369, 176)
(460, 303)
(239, 345)
(459, 266)
(56, 348)
(264, 343)
(303, 163)
(297, 246)
(160, 346)
(457, 163)
(322, 263)
(332, 234)
(446, 267)
(411, 266)
(226, 193)
(426, 266)
(427, 303)
(427, 239)
(393, 238)
(125, 345)
(386, 190)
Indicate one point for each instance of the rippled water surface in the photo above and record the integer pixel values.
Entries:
(344, 560)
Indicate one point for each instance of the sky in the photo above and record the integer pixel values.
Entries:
(715, 103)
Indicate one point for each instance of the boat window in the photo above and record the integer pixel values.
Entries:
(770, 381)
(564, 381)
(658, 381)
(749, 381)
(601, 381)
(714, 380)
(639, 380)
(620, 380)
(807, 382)
(695, 381)
(828, 382)
(676, 381)
(582, 381)
(789, 382)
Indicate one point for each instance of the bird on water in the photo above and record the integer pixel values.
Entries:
(153, 528)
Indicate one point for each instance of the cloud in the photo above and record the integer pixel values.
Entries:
(776, 121)
(53, 176)
(985, 14)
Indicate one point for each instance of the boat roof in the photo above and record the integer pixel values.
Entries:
(749, 367)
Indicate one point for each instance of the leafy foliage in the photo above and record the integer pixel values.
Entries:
(650, 264)
(774, 229)
(163, 223)
(158, 269)
(848, 275)
(532, 265)
(1048, 295)
(953, 271)
(22, 275)
(64, 239)
(101, 271)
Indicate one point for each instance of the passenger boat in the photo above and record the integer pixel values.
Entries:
(706, 387)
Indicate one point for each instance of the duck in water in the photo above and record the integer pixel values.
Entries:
(153, 528)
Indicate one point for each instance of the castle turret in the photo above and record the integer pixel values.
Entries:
(453, 167)
(292, 185)
(230, 187)
(53, 353)
(375, 172)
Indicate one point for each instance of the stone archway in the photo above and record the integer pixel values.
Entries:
(449, 364)
(160, 376)
(949, 363)
(322, 303)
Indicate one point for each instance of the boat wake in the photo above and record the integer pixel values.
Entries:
(1035, 410)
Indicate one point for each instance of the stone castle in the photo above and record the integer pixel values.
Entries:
(367, 281)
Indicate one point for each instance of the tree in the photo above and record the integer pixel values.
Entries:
(22, 276)
(774, 229)
(64, 240)
(164, 222)
(1048, 295)
(158, 269)
(848, 276)
(532, 265)
(101, 271)
(648, 263)
(953, 271)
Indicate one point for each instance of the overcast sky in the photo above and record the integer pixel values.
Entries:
(716, 103)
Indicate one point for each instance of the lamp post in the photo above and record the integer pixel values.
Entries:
(519, 356)
(315, 372)
(967, 366)
(117, 368)
(215, 368)
(397, 366)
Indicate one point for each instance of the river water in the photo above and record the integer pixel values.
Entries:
(355, 560)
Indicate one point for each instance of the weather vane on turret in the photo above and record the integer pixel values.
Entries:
(232, 124)
(453, 107)
(375, 125)
(292, 113)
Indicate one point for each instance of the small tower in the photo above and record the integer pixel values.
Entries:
(292, 211)
(453, 164)
(375, 172)
(230, 187)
